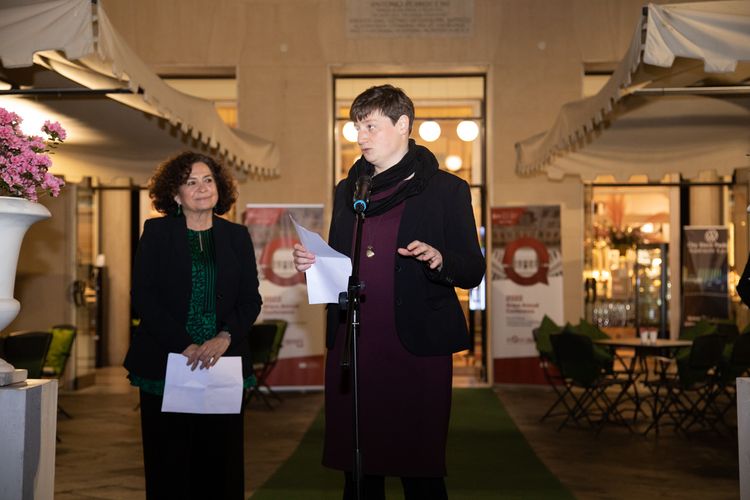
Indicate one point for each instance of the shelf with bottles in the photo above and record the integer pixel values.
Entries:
(612, 271)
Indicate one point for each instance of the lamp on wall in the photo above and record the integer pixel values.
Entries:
(429, 131)
(349, 131)
(467, 130)
(453, 163)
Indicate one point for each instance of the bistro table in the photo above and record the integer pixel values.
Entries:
(643, 350)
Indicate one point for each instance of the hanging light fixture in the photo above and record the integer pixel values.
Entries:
(349, 131)
(429, 131)
(453, 163)
(467, 130)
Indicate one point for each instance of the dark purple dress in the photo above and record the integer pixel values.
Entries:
(404, 400)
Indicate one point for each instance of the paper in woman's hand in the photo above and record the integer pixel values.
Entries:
(329, 276)
(215, 390)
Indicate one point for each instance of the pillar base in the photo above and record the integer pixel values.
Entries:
(28, 427)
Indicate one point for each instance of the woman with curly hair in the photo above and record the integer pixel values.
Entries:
(195, 290)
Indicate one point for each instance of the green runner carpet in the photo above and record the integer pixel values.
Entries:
(488, 458)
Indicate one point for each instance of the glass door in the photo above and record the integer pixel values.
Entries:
(85, 287)
(652, 291)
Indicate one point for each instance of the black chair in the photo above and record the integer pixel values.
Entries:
(737, 364)
(687, 395)
(27, 350)
(262, 341)
(588, 379)
(551, 375)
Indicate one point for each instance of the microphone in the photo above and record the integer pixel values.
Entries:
(362, 193)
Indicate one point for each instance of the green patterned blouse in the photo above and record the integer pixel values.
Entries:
(201, 319)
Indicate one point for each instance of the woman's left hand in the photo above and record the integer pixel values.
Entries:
(210, 351)
(424, 252)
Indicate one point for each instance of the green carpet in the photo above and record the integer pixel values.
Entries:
(488, 458)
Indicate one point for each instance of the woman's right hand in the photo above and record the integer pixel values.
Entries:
(192, 353)
(302, 258)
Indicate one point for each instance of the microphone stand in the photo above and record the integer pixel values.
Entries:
(349, 301)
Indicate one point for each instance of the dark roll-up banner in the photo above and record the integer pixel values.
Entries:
(705, 286)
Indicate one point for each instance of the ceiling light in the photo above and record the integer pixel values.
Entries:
(350, 132)
(429, 131)
(467, 130)
(453, 163)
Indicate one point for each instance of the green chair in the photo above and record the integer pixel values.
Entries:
(541, 335)
(688, 395)
(58, 354)
(266, 339)
(735, 363)
(59, 350)
(278, 341)
(702, 327)
(588, 382)
(602, 354)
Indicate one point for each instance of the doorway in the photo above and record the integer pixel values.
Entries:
(643, 268)
(450, 121)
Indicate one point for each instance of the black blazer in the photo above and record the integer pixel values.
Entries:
(743, 285)
(429, 318)
(162, 285)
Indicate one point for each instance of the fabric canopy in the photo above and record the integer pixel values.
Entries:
(75, 39)
(678, 102)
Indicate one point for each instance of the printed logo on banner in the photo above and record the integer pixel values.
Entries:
(277, 264)
(526, 261)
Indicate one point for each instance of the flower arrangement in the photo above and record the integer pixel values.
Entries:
(627, 238)
(25, 160)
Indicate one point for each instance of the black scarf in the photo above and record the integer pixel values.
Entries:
(418, 160)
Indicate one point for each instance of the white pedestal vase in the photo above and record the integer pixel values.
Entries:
(16, 216)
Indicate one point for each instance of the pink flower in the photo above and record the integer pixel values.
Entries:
(8, 117)
(24, 160)
(54, 130)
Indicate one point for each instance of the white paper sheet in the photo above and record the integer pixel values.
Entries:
(216, 390)
(329, 276)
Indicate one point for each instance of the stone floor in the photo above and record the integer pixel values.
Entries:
(99, 456)
(618, 464)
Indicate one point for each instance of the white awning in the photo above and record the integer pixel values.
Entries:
(678, 102)
(75, 39)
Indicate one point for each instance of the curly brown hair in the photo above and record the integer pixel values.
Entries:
(174, 172)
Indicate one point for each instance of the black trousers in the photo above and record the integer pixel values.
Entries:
(415, 488)
(188, 456)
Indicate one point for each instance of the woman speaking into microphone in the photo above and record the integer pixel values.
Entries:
(419, 241)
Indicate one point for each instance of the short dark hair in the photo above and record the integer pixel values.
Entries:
(174, 172)
(389, 100)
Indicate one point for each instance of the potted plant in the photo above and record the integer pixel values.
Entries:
(24, 176)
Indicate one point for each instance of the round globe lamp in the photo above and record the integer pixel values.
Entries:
(467, 130)
(429, 131)
(453, 163)
(349, 131)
